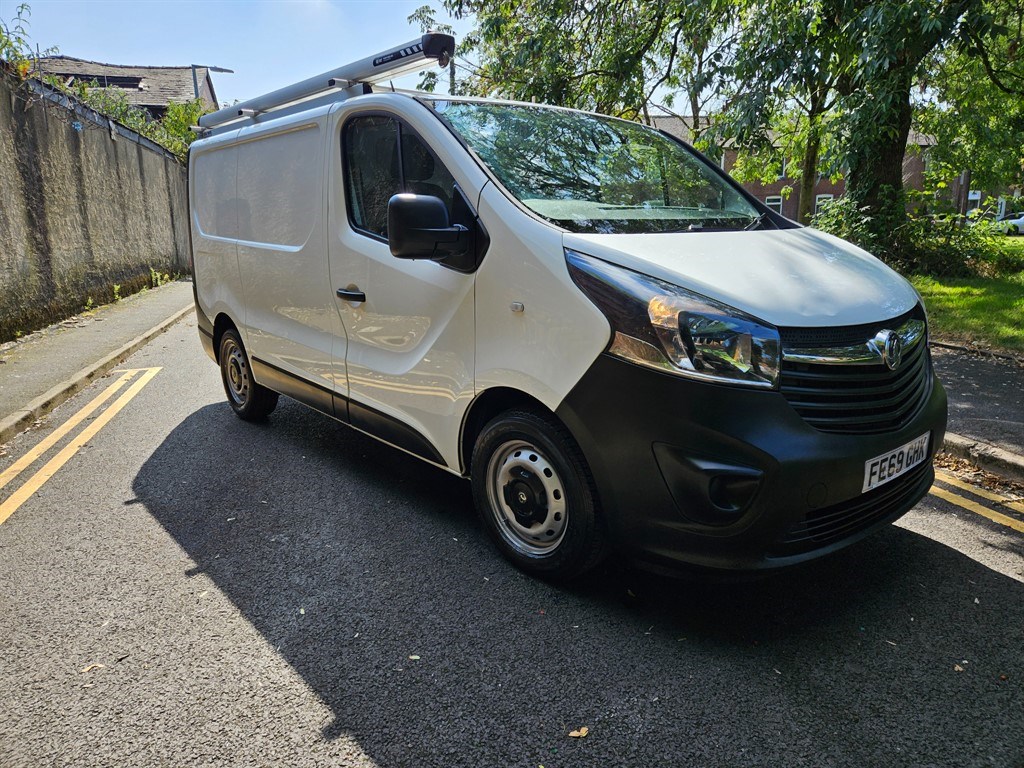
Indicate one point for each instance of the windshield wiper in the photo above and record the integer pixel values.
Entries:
(756, 223)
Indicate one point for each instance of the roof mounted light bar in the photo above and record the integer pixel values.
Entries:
(391, 63)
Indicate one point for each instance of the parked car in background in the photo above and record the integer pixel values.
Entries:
(1011, 223)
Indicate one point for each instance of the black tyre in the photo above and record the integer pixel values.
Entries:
(248, 400)
(535, 495)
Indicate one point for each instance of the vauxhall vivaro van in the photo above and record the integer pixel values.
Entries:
(612, 340)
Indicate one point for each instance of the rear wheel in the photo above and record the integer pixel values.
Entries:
(248, 400)
(534, 493)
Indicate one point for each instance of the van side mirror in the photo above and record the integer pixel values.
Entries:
(418, 228)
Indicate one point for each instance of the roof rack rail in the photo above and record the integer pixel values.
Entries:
(387, 64)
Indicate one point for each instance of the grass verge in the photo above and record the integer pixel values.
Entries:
(984, 311)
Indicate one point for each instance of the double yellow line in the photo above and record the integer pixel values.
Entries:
(975, 507)
(34, 483)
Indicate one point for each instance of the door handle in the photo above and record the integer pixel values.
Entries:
(351, 294)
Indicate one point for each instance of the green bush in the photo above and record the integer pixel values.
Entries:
(943, 246)
(171, 132)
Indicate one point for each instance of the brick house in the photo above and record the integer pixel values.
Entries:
(824, 188)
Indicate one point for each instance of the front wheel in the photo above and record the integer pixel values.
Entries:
(535, 495)
(248, 400)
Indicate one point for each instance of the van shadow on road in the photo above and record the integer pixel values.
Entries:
(851, 660)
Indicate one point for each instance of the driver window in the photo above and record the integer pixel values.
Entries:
(371, 171)
(375, 170)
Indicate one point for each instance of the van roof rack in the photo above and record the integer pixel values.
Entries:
(381, 66)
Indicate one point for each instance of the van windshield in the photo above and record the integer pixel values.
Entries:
(594, 174)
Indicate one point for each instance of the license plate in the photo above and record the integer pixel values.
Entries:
(881, 469)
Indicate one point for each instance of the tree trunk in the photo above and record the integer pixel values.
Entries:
(697, 129)
(964, 193)
(875, 181)
(809, 171)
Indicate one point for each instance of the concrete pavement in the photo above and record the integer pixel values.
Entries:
(37, 373)
(40, 371)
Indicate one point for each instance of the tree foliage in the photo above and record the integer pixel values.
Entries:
(784, 84)
(825, 84)
(971, 102)
(607, 56)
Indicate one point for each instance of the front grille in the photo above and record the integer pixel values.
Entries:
(828, 525)
(856, 399)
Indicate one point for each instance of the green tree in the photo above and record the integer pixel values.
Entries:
(790, 60)
(977, 127)
(995, 35)
(611, 57)
(832, 78)
(894, 39)
(972, 102)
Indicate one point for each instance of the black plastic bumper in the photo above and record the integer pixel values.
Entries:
(732, 478)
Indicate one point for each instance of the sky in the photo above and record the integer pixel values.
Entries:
(268, 43)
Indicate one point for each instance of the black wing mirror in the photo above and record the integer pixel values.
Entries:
(419, 228)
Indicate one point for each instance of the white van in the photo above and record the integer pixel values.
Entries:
(612, 340)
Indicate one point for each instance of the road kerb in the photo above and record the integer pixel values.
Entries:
(989, 457)
(22, 419)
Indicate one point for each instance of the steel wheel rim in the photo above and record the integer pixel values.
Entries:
(236, 374)
(546, 532)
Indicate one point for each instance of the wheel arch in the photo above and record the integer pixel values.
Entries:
(221, 324)
(485, 407)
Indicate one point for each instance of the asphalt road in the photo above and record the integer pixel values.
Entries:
(191, 590)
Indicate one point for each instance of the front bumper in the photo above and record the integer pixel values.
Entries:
(732, 478)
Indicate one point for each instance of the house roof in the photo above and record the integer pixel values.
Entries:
(142, 86)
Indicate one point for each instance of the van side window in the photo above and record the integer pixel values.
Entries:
(372, 174)
(375, 170)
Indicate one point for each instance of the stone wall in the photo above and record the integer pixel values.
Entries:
(85, 204)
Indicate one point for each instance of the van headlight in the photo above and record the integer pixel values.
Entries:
(663, 326)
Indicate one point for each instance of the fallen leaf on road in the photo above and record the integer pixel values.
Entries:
(91, 667)
(581, 733)
(414, 658)
(957, 668)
